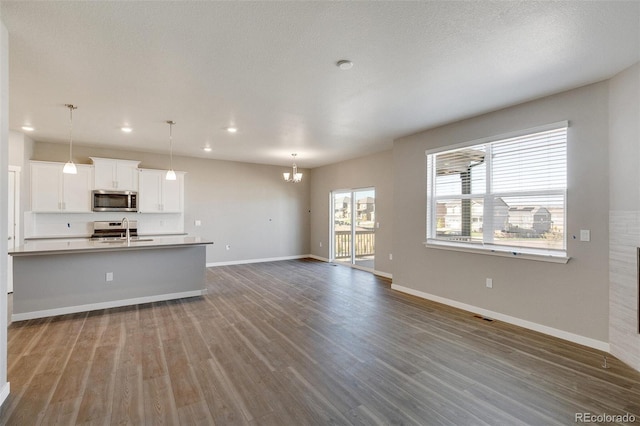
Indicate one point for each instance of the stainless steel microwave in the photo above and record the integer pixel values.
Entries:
(114, 201)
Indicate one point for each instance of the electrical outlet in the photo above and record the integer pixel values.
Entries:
(108, 276)
(585, 235)
(489, 282)
(390, 256)
(197, 223)
(320, 243)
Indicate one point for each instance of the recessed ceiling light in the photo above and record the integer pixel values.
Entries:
(344, 64)
(231, 129)
(28, 128)
(207, 149)
(126, 129)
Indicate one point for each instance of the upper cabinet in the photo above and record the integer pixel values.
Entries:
(54, 191)
(121, 175)
(158, 195)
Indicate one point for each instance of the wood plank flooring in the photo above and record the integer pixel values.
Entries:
(302, 343)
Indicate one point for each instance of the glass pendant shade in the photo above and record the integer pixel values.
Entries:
(171, 175)
(70, 168)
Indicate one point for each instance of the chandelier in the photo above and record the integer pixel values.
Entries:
(294, 176)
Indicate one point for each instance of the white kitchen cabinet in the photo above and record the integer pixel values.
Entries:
(158, 195)
(53, 191)
(115, 174)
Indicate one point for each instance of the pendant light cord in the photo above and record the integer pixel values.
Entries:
(71, 108)
(171, 144)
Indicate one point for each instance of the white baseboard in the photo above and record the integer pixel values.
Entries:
(322, 259)
(105, 305)
(267, 259)
(565, 335)
(383, 274)
(4, 393)
(373, 271)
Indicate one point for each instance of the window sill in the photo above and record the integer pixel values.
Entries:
(515, 252)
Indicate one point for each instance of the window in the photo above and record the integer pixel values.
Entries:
(505, 194)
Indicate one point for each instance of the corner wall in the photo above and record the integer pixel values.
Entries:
(624, 216)
(371, 171)
(568, 300)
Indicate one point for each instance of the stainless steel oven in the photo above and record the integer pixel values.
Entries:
(114, 201)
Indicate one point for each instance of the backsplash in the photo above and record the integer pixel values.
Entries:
(56, 225)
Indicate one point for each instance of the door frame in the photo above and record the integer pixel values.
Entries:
(16, 170)
(332, 240)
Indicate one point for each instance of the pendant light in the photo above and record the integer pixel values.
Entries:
(171, 175)
(70, 168)
(294, 176)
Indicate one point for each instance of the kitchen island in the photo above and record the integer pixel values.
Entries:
(61, 277)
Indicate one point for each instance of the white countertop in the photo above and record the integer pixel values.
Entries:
(48, 247)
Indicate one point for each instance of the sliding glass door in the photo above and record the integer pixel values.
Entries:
(353, 227)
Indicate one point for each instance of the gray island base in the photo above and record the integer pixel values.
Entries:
(49, 280)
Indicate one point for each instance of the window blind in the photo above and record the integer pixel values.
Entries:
(509, 192)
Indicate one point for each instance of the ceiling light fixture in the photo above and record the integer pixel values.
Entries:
(28, 128)
(294, 176)
(70, 168)
(171, 175)
(344, 64)
(126, 129)
(232, 129)
(207, 149)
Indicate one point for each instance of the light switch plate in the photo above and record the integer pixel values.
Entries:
(585, 235)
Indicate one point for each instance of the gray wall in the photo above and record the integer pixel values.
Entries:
(246, 206)
(371, 171)
(4, 182)
(624, 217)
(571, 297)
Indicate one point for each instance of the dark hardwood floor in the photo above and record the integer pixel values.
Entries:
(302, 343)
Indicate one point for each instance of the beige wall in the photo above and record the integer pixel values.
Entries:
(4, 182)
(371, 171)
(247, 206)
(624, 217)
(570, 297)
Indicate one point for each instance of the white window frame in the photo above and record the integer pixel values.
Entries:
(557, 256)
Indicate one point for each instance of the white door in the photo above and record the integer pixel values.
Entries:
(46, 188)
(149, 196)
(11, 226)
(171, 195)
(76, 190)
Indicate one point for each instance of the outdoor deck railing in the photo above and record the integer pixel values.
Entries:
(365, 244)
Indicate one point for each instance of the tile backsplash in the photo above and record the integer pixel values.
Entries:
(60, 225)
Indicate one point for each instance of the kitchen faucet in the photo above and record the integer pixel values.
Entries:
(128, 233)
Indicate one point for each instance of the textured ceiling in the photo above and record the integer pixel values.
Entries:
(269, 69)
